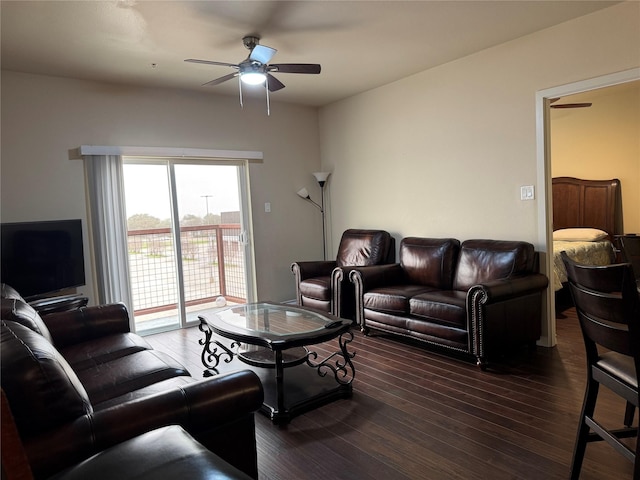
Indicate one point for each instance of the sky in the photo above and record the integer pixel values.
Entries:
(198, 187)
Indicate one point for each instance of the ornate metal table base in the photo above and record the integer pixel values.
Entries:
(309, 382)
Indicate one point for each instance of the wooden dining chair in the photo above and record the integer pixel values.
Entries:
(608, 308)
(630, 246)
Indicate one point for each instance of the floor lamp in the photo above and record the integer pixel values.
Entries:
(321, 177)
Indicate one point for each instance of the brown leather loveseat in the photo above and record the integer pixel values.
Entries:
(470, 298)
(79, 382)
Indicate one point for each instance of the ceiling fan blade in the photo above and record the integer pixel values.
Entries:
(273, 83)
(218, 81)
(262, 54)
(295, 67)
(572, 105)
(209, 62)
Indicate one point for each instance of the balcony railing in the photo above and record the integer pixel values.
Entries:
(212, 266)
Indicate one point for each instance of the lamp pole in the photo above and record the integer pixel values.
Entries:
(322, 177)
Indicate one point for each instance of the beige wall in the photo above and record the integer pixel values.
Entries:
(444, 152)
(602, 142)
(44, 117)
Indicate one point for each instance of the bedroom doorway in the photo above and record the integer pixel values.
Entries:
(544, 169)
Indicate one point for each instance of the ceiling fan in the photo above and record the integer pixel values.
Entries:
(568, 105)
(256, 69)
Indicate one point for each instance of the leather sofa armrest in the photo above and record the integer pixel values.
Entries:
(375, 276)
(506, 288)
(75, 326)
(338, 275)
(515, 300)
(368, 278)
(304, 270)
(209, 410)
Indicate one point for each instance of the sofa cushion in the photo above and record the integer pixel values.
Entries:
(42, 388)
(125, 374)
(482, 261)
(102, 350)
(363, 248)
(318, 288)
(429, 261)
(392, 299)
(17, 310)
(445, 307)
(174, 383)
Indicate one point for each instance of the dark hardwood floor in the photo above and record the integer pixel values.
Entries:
(418, 415)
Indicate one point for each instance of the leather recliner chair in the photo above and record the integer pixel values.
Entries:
(325, 286)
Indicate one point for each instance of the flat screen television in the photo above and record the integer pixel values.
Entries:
(40, 258)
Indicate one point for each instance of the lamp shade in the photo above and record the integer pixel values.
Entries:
(321, 177)
(303, 193)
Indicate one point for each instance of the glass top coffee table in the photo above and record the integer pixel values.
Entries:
(270, 338)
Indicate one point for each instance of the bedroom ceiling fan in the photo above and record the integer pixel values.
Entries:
(568, 105)
(256, 69)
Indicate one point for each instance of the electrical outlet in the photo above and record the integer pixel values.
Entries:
(527, 192)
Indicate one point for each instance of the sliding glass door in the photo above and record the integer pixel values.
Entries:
(188, 239)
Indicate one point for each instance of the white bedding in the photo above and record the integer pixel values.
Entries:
(589, 253)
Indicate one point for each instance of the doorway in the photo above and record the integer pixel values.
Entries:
(188, 239)
(545, 202)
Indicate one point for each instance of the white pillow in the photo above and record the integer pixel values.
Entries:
(579, 235)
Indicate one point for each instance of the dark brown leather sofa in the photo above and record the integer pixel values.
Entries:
(470, 298)
(324, 285)
(79, 382)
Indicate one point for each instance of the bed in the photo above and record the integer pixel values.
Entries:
(587, 215)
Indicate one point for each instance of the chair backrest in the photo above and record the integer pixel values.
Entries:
(362, 248)
(607, 304)
(484, 260)
(630, 245)
(429, 261)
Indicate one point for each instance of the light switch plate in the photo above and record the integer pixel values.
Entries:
(267, 207)
(527, 192)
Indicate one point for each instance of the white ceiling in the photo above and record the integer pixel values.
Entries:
(360, 44)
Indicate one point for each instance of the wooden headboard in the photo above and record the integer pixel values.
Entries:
(587, 203)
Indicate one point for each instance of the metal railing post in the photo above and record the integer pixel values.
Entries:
(221, 273)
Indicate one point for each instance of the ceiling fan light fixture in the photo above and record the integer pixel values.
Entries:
(253, 78)
(255, 69)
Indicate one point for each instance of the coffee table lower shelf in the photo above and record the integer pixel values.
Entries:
(303, 390)
(297, 385)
